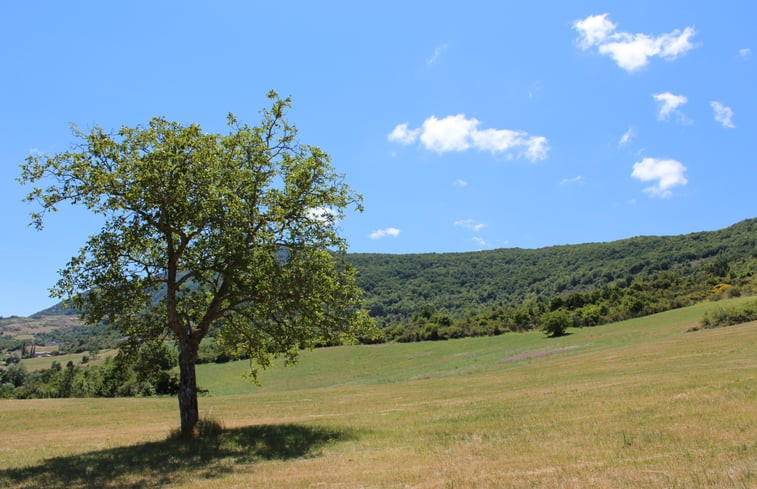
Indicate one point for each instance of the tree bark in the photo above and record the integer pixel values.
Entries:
(188, 387)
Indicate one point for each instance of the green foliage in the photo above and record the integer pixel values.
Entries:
(78, 339)
(728, 316)
(8, 343)
(555, 323)
(490, 292)
(145, 371)
(232, 235)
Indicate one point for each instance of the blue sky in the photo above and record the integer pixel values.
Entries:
(465, 125)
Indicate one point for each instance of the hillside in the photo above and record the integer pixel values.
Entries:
(487, 292)
(639, 404)
(399, 287)
(27, 327)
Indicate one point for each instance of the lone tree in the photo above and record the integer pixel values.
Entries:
(555, 323)
(231, 236)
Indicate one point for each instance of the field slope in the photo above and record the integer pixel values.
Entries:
(642, 403)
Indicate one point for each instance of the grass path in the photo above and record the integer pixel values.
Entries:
(641, 403)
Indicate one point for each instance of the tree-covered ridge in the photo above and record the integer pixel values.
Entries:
(432, 296)
(401, 289)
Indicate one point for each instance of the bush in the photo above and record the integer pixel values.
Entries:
(554, 323)
(727, 316)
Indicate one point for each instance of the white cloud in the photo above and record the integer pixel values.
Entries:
(667, 174)
(461, 183)
(401, 134)
(593, 30)
(669, 104)
(479, 241)
(579, 179)
(469, 224)
(496, 140)
(383, 233)
(630, 51)
(536, 148)
(458, 133)
(322, 215)
(745, 52)
(438, 51)
(626, 137)
(453, 133)
(723, 114)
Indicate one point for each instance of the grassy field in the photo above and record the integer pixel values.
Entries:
(42, 363)
(642, 403)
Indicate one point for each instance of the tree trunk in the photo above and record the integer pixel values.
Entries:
(188, 388)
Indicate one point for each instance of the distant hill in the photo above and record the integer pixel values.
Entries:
(27, 327)
(478, 286)
(56, 310)
(398, 287)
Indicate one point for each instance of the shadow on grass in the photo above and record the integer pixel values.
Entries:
(161, 463)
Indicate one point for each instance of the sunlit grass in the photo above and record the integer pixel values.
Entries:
(41, 363)
(636, 404)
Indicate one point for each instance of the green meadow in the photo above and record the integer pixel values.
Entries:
(641, 403)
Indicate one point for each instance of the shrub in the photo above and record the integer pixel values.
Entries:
(554, 323)
(727, 316)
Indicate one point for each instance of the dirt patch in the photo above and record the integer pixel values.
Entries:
(536, 354)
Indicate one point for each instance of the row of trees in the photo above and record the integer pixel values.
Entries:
(609, 303)
(464, 284)
(147, 371)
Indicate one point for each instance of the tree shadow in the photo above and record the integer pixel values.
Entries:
(160, 463)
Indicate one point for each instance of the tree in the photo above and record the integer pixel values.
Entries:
(554, 323)
(228, 235)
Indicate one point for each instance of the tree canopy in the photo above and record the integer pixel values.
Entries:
(233, 235)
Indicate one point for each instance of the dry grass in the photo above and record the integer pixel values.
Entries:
(25, 328)
(638, 404)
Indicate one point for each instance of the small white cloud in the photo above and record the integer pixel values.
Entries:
(322, 215)
(593, 30)
(723, 114)
(438, 51)
(461, 183)
(36, 152)
(536, 148)
(496, 140)
(669, 104)
(453, 133)
(459, 133)
(626, 137)
(667, 174)
(579, 179)
(745, 52)
(479, 241)
(401, 134)
(469, 224)
(676, 43)
(383, 233)
(630, 51)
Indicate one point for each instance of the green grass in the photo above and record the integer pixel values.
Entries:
(392, 363)
(42, 363)
(642, 403)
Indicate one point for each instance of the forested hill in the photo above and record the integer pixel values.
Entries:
(400, 287)
(444, 295)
